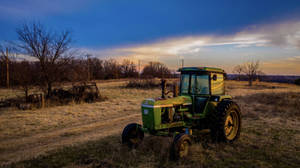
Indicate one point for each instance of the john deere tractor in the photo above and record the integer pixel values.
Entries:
(200, 104)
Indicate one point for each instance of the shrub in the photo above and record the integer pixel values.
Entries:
(297, 81)
(143, 83)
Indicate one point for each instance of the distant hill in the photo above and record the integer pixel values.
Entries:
(267, 78)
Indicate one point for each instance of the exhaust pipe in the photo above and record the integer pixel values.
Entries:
(175, 89)
(163, 88)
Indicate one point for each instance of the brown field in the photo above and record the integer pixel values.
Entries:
(88, 135)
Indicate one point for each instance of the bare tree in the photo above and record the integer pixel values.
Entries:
(251, 69)
(97, 68)
(49, 48)
(78, 68)
(238, 69)
(156, 69)
(88, 61)
(5, 52)
(112, 69)
(24, 75)
(128, 69)
(261, 75)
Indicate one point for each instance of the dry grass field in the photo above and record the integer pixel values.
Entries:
(88, 135)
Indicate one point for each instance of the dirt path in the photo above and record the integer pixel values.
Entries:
(30, 147)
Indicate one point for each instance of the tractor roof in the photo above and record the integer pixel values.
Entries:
(201, 69)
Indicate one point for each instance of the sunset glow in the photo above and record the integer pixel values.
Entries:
(201, 37)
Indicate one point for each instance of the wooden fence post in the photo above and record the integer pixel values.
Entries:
(42, 100)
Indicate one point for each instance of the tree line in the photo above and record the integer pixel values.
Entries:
(52, 61)
(249, 70)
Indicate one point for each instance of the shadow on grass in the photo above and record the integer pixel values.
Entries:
(252, 150)
(107, 152)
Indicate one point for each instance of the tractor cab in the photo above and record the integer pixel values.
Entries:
(202, 84)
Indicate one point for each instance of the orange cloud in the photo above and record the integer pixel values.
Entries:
(272, 44)
(288, 66)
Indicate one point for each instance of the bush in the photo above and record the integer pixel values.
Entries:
(143, 83)
(150, 83)
(297, 81)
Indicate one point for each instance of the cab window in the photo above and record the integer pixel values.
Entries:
(185, 79)
(200, 84)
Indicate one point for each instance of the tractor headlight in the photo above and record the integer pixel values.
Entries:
(146, 111)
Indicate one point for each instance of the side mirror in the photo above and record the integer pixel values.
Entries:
(214, 77)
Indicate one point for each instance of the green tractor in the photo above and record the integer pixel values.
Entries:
(200, 104)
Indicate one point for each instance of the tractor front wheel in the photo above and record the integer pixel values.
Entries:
(181, 145)
(132, 135)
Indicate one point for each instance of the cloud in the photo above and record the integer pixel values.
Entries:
(287, 66)
(285, 34)
(262, 42)
(295, 58)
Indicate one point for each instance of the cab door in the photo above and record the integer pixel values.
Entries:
(200, 91)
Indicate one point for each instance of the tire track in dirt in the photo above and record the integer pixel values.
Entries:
(30, 147)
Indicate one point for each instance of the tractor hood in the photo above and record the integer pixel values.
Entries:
(169, 102)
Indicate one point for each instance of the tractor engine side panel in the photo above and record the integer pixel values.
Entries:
(151, 117)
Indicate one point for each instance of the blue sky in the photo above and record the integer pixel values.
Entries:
(204, 33)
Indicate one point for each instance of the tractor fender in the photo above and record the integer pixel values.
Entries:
(224, 97)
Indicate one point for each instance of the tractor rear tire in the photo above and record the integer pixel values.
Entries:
(180, 147)
(132, 135)
(226, 123)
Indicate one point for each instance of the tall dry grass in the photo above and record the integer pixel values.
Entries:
(282, 104)
(270, 135)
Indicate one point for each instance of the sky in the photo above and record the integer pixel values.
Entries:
(203, 33)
